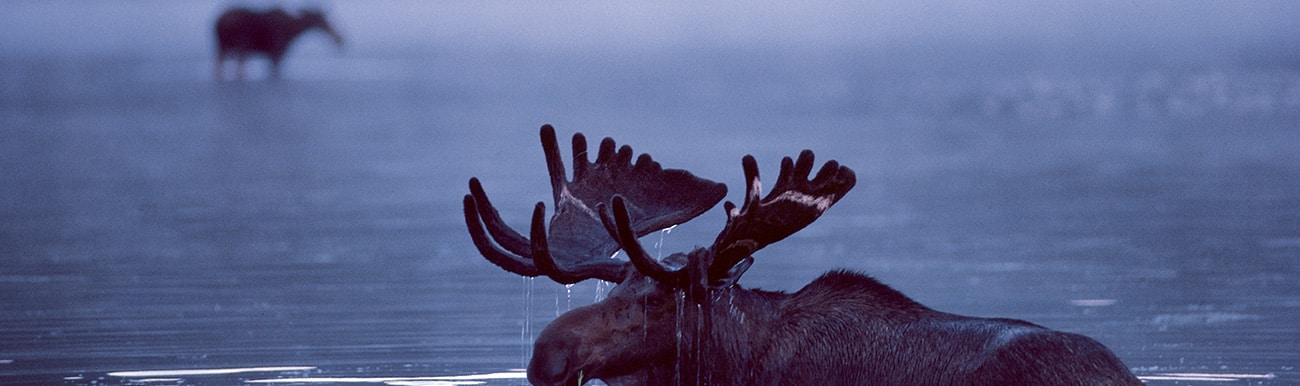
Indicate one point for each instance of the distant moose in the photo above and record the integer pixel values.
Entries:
(684, 320)
(243, 32)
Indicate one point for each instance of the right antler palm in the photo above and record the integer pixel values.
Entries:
(578, 245)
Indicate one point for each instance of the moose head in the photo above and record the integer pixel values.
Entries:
(314, 18)
(608, 204)
(684, 320)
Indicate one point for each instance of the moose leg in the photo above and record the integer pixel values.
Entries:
(219, 68)
(275, 67)
(240, 59)
(216, 69)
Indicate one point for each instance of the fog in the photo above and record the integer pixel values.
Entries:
(1124, 170)
(1176, 32)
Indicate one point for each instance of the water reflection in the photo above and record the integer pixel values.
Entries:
(293, 375)
(155, 220)
(204, 372)
(1206, 377)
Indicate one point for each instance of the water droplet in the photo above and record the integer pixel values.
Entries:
(659, 246)
(568, 297)
(525, 334)
(601, 288)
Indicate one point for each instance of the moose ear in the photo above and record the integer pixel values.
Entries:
(733, 274)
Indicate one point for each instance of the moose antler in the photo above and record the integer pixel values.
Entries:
(578, 245)
(794, 203)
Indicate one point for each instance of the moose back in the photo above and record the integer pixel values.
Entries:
(684, 319)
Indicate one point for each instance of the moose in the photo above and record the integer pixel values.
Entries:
(685, 320)
(242, 32)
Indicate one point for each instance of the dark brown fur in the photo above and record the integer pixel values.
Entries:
(242, 32)
(842, 329)
(684, 320)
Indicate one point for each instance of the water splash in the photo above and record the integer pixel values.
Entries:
(659, 246)
(699, 345)
(1205, 377)
(568, 297)
(681, 314)
(201, 372)
(602, 288)
(733, 310)
(645, 317)
(445, 380)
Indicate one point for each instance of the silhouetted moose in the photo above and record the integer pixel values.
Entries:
(684, 320)
(242, 32)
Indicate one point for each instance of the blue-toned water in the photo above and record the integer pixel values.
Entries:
(309, 229)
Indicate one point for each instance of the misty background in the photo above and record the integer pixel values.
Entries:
(1125, 170)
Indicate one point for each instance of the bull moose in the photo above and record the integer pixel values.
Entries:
(242, 32)
(685, 320)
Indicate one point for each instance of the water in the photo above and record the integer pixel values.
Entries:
(310, 229)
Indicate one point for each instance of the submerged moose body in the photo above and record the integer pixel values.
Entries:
(243, 32)
(685, 320)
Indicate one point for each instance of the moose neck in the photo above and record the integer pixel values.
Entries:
(725, 334)
(286, 28)
(296, 28)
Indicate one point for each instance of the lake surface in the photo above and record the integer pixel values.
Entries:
(310, 230)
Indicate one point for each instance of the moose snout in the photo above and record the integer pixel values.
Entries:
(338, 39)
(548, 369)
(550, 363)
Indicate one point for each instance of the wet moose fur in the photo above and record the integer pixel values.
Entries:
(685, 321)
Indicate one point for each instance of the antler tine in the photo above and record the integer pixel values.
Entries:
(607, 154)
(580, 162)
(555, 165)
(515, 264)
(792, 171)
(505, 236)
(621, 225)
(541, 251)
(794, 203)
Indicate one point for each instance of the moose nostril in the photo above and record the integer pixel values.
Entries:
(548, 369)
